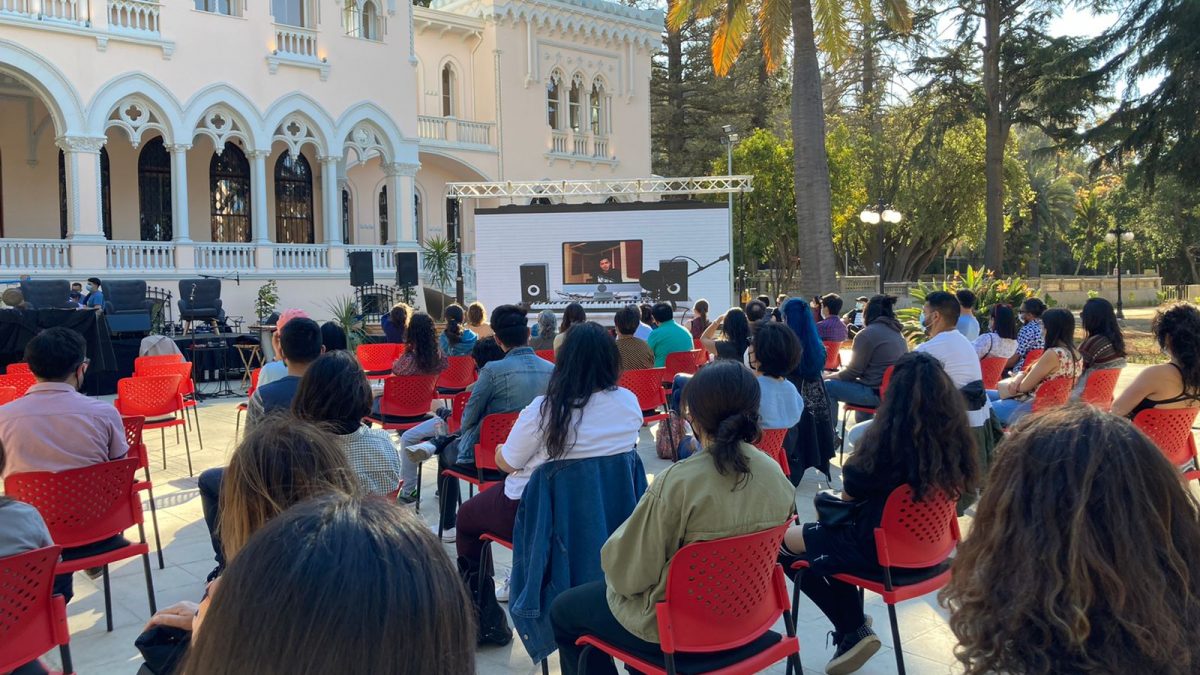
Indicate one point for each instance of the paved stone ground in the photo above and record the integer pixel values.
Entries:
(928, 643)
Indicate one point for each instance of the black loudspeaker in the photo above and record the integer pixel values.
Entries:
(406, 268)
(534, 277)
(362, 269)
(138, 322)
(674, 280)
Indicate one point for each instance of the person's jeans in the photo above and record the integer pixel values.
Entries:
(1008, 410)
(837, 600)
(408, 468)
(64, 584)
(583, 610)
(491, 512)
(448, 488)
(677, 386)
(209, 486)
(852, 393)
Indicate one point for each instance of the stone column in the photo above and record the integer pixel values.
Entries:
(258, 196)
(81, 156)
(401, 191)
(179, 193)
(331, 205)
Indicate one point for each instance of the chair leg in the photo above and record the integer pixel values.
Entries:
(107, 601)
(163, 434)
(670, 662)
(545, 666)
(419, 467)
(154, 521)
(793, 660)
(149, 584)
(796, 596)
(199, 433)
(237, 424)
(485, 561)
(896, 639)
(188, 448)
(65, 652)
(842, 441)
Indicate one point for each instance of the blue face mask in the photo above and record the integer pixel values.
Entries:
(924, 321)
(90, 288)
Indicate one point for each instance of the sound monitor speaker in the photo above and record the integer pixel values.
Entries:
(137, 322)
(675, 280)
(534, 277)
(362, 269)
(406, 268)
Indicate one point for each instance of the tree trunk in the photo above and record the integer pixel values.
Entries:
(810, 164)
(1035, 249)
(675, 140)
(993, 248)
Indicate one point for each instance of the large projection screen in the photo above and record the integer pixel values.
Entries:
(507, 238)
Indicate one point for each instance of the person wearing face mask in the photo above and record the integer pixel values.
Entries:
(94, 297)
(856, 319)
(53, 427)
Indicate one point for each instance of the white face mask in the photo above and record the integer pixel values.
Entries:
(860, 306)
(90, 288)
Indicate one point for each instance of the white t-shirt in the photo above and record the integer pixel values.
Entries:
(607, 425)
(957, 355)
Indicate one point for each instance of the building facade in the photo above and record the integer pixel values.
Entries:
(154, 140)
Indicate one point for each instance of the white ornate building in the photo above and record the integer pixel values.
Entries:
(160, 140)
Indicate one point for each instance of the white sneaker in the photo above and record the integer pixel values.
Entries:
(421, 451)
(448, 536)
(503, 589)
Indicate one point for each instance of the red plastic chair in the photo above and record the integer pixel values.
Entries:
(678, 363)
(405, 396)
(1171, 431)
(8, 395)
(137, 450)
(911, 536)
(646, 385)
(458, 375)
(19, 381)
(457, 405)
(18, 368)
(721, 595)
(85, 506)
(546, 354)
(245, 405)
(156, 398)
(493, 431)
(833, 355)
(32, 619)
(140, 363)
(187, 388)
(1052, 393)
(848, 408)
(772, 444)
(1099, 387)
(376, 359)
(1031, 357)
(993, 370)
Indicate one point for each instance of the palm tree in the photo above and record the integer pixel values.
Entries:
(811, 24)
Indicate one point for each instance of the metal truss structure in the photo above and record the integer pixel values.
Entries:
(636, 187)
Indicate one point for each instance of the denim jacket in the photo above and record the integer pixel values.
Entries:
(507, 385)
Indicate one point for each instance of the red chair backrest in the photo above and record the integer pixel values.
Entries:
(993, 370)
(153, 360)
(1099, 387)
(19, 381)
(1031, 357)
(1053, 392)
(183, 369)
(378, 356)
(149, 395)
(492, 432)
(82, 506)
(833, 355)
(457, 405)
(134, 425)
(887, 380)
(8, 395)
(721, 594)
(701, 357)
(459, 373)
(32, 619)
(1171, 431)
(546, 354)
(646, 385)
(18, 368)
(916, 534)
(678, 363)
(253, 381)
(772, 444)
(408, 395)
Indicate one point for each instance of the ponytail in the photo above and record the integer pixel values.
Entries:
(454, 319)
(721, 402)
(725, 447)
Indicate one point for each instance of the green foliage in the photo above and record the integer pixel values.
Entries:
(437, 259)
(344, 311)
(267, 299)
(988, 290)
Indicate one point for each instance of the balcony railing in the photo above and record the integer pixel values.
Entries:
(296, 42)
(455, 131)
(34, 254)
(66, 11)
(225, 257)
(432, 128)
(140, 256)
(134, 16)
(600, 147)
(382, 257)
(558, 142)
(301, 257)
(579, 145)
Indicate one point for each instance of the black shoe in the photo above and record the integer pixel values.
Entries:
(853, 651)
(94, 572)
(499, 637)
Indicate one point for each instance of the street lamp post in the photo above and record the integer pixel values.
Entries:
(1117, 235)
(731, 139)
(879, 216)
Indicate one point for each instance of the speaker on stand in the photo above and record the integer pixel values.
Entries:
(406, 269)
(362, 269)
(534, 278)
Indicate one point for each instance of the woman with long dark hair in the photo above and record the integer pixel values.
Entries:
(421, 354)
(583, 414)
(572, 314)
(1060, 359)
(727, 489)
(1176, 383)
(919, 438)
(1083, 557)
(812, 442)
(1001, 340)
(734, 329)
(1104, 346)
(337, 585)
(456, 340)
(698, 323)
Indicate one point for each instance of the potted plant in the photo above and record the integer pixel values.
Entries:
(264, 304)
(437, 259)
(345, 314)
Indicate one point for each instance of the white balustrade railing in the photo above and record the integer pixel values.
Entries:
(21, 7)
(140, 256)
(225, 257)
(59, 10)
(474, 133)
(558, 142)
(296, 42)
(34, 254)
(600, 147)
(135, 16)
(432, 128)
(382, 257)
(579, 144)
(302, 257)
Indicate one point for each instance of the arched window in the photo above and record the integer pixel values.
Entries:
(383, 217)
(154, 191)
(574, 103)
(554, 100)
(293, 200)
(345, 216)
(290, 12)
(417, 224)
(227, 7)
(449, 82)
(369, 21)
(105, 196)
(599, 106)
(229, 190)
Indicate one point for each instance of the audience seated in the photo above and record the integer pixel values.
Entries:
(395, 323)
(477, 320)
(876, 347)
(968, 325)
(300, 342)
(1015, 396)
(734, 328)
(335, 395)
(1082, 556)
(455, 340)
(1174, 384)
(635, 353)
(812, 443)
(919, 438)
(831, 328)
(756, 311)
(774, 354)
(1104, 346)
(368, 591)
(1031, 335)
(572, 314)
(583, 414)
(21, 529)
(1001, 340)
(667, 337)
(277, 369)
(731, 488)
(545, 331)
(333, 336)
(699, 322)
(855, 319)
(644, 330)
(421, 354)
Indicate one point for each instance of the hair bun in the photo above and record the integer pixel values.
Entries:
(740, 427)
